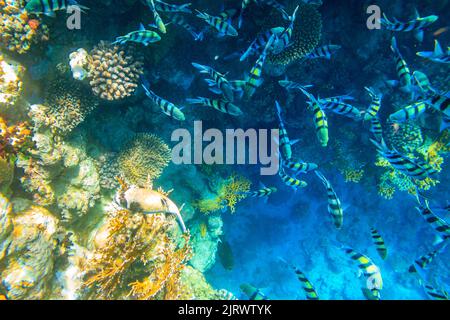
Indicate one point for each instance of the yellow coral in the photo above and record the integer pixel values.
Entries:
(229, 193)
(144, 159)
(134, 250)
(353, 175)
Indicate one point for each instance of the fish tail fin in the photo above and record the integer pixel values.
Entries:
(294, 15)
(321, 177)
(201, 15)
(185, 7)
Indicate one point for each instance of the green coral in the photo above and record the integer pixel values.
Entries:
(305, 37)
(144, 159)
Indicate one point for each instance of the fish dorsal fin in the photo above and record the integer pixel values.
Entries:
(437, 49)
(416, 13)
(261, 185)
(141, 27)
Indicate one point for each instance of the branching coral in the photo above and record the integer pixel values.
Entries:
(18, 30)
(228, 193)
(10, 82)
(67, 104)
(306, 36)
(135, 258)
(354, 175)
(143, 159)
(114, 72)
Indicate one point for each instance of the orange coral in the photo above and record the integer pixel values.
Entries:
(13, 138)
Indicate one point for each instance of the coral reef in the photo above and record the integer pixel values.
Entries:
(13, 138)
(67, 104)
(305, 37)
(28, 243)
(228, 192)
(135, 258)
(19, 31)
(143, 159)
(205, 245)
(11, 74)
(61, 173)
(114, 71)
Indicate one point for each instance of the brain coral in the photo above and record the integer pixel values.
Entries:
(306, 36)
(114, 71)
(144, 159)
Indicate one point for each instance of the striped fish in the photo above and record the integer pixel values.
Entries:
(403, 72)
(244, 5)
(283, 40)
(417, 25)
(341, 108)
(218, 104)
(252, 292)
(434, 293)
(159, 23)
(374, 281)
(285, 145)
(439, 225)
(423, 261)
(379, 243)
(254, 79)
(167, 107)
(167, 7)
(334, 204)
(310, 292)
(221, 25)
(376, 129)
(217, 82)
(264, 192)
(290, 85)
(226, 295)
(410, 112)
(441, 103)
(181, 21)
(410, 167)
(438, 55)
(320, 118)
(142, 36)
(299, 167)
(260, 42)
(323, 52)
(49, 7)
(291, 182)
(375, 105)
(423, 82)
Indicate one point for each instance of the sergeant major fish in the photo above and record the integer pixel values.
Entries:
(167, 7)
(410, 167)
(441, 227)
(49, 7)
(376, 129)
(260, 42)
(308, 288)
(374, 281)
(425, 260)
(223, 27)
(320, 119)
(141, 36)
(291, 182)
(403, 72)
(378, 241)
(334, 204)
(263, 192)
(323, 52)
(299, 167)
(217, 82)
(167, 107)
(159, 23)
(438, 55)
(218, 104)
(417, 25)
(284, 142)
(252, 292)
(375, 105)
(283, 40)
(181, 21)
